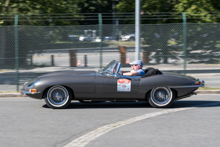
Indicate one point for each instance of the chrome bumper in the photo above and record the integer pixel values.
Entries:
(27, 92)
(202, 83)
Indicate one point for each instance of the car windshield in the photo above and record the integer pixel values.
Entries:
(111, 68)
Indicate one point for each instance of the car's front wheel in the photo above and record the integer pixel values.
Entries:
(58, 97)
(161, 97)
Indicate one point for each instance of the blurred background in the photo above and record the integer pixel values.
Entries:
(38, 37)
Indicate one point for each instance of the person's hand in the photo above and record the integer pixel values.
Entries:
(120, 73)
(113, 71)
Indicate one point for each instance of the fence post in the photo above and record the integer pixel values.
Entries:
(16, 51)
(122, 50)
(145, 57)
(85, 60)
(137, 29)
(72, 54)
(184, 41)
(100, 35)
(52, 60)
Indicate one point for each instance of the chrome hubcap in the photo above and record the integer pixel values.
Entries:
(161, 96)
(58, 96)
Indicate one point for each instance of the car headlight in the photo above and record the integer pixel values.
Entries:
(32, 84)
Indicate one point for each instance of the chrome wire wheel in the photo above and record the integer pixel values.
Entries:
(161, 97)
(58, 97)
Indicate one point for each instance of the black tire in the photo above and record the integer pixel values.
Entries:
(58, 97)
(161, 97)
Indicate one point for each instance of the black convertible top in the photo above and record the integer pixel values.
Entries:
(150, 71)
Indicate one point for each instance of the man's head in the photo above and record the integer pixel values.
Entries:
(136, 65)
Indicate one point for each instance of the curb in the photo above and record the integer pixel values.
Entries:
(3, 95)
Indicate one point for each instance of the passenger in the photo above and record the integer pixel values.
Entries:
(136, 69)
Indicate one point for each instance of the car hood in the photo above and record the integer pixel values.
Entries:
(66, 73)
(179, 75)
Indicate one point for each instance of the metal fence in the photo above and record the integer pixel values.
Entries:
(29, 51)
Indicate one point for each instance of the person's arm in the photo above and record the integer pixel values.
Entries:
(131, 74)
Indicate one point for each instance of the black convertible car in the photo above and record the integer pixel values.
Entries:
(108, 84)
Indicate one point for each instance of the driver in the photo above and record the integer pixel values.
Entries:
(136, 69)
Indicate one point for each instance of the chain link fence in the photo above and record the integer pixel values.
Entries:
(43, 49)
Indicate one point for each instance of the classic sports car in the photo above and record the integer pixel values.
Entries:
(108, 84)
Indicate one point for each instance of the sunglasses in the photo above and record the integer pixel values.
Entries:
(134, 65)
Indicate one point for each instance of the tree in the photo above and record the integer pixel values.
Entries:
(48, 7)
(157, 37)
(75, 9)
(95, 6)
(4, 5)
(173, 8)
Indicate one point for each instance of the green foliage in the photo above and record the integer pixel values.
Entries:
(170, 6)
(42, 6)
(191, 7)
(126, 6)
(50, 7)
(95, 6)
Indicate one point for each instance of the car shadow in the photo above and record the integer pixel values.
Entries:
(197, 104)
(176, 104)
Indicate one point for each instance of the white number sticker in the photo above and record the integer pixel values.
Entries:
(124, 85)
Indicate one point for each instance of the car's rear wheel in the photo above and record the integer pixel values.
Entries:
(161, 97)
(58, 97)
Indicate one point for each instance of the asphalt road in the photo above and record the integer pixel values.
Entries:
(29, 122)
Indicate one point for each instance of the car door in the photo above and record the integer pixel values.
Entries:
(122, 86)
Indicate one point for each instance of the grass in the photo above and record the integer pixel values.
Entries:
(6, 70)
(9, 92)
(120, 43)
(108, 43)
(208, 88)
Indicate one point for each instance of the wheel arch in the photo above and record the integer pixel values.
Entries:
(174, 93)
(147, 95)
(46, 90)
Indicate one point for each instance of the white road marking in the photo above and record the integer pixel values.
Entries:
(85, 139)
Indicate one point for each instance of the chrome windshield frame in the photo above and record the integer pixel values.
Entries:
(117, 67)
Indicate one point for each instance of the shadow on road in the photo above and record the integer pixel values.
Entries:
(177, 104)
